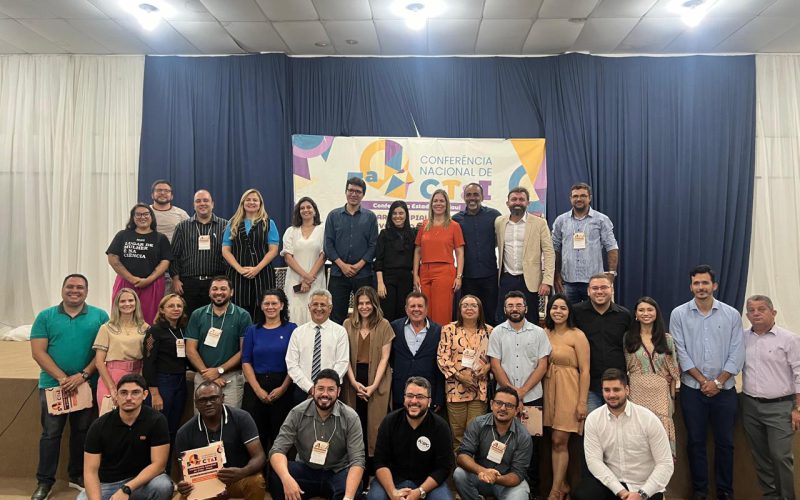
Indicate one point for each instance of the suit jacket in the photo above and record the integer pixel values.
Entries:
(538, 244)
(423, 364)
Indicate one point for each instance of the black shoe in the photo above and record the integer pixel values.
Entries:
(699, 496)
(77, 483)
(42, 491)
(724, 496)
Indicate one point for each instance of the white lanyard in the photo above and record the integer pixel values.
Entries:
(335, 423)
(180, 330)
(223, 316)
(221, 425)
(497, 438)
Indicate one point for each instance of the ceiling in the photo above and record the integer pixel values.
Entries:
(467, 27)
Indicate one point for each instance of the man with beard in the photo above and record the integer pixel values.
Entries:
(519, 352)
(214, 341)
(480, 265)
(523, 244)
(710, 345)
(579, 238)
(167, 215)
(413, 453)
(330, 447)
(494, 453)
(197, 252)
(244, 456)
(626, 447)
(127, 449)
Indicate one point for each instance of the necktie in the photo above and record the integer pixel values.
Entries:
(316, 361)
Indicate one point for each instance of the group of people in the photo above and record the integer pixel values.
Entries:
(292, 369)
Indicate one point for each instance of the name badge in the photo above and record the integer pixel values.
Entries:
(180, 348)
(579, 241)
(212, 337)
(319, 452)
(496, 452)
(204, 242)
(468, 358)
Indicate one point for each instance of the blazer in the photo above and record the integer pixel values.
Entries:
(538, 244)
(423, 364)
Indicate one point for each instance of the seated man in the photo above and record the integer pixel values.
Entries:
(413, 452)
(626, 446)
(237, 430)
(330, 447)
(127, 449)
(495, 453)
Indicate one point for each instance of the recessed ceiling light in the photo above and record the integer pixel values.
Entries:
(321, 44)
(417, 12)
(148, 12)
(351, 42)
(692, 12)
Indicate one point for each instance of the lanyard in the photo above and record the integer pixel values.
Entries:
(497, 438)
(221, 425)
(335, 423)
(180, 330)
(223, 316)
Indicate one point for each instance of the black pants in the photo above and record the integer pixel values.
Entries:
(268, 417)
(341, 287)
(195, 293)
(509, 282)
(398, 283)
(486, 290)
(591, 489)
(533, 466)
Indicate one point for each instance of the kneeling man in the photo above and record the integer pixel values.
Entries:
(495, 453)
(244, 456)
(414, 450)
(626, 447)
(330, 447)
(126, 449)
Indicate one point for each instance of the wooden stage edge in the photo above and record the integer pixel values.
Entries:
(20, 430)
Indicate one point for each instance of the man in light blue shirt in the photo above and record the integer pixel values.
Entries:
(708, 338)
(579, 238)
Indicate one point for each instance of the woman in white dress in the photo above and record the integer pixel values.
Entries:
(302, 250)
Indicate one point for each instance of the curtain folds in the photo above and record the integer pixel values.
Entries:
(69, 146)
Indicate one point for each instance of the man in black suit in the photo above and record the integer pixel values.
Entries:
(416, 340)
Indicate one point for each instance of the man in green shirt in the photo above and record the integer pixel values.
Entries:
(214, 341)
(61, 343)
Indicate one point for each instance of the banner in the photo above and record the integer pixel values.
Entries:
(412, 168)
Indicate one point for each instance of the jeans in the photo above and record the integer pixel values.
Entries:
(509, 282)
(576, 292)
(472, 488)
(720, 411)
(313, 482)
(376, 491)
(340, 288)
(50, 442)
(159, 488)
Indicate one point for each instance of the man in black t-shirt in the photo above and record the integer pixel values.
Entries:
(126, 449)
(244, 456)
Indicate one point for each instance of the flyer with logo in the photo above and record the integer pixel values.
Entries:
(200, 467)
(60, 402)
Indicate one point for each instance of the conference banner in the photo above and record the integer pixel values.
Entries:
(413, 168)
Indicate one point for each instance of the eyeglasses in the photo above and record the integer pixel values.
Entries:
(136, 393)
(512, 307)
(162, 190)
(603, 288)
(418, 397)
(145, 215)
(469, 305)
(355, 191)
(503, 404)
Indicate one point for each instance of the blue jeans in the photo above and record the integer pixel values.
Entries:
(698, 412)
(576, 291)
(340, 288)
(313, 482)
(159, 488)
(172, 388)
(472, 488)
(376, 491)
(50, 442)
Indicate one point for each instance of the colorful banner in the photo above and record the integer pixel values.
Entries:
(412, 168)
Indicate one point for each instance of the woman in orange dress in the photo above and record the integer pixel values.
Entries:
(434, 275)
(566, 387)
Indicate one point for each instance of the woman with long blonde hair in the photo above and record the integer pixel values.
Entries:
(249, 246)
(118, 345)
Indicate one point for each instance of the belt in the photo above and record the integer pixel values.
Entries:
(199, 278)
(781, 399)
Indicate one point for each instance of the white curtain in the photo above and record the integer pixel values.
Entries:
(69, 154)
(775, 247)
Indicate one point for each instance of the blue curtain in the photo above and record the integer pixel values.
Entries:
(666, 143)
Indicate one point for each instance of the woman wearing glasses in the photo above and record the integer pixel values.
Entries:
(566, 387)
(140, 256)
(463, 361)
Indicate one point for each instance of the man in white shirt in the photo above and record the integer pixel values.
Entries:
(317, 345)
(626, 447)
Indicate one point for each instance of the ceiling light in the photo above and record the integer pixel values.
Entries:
(351, 42)
(417, 12)
(692, 12)
(321, 44)
(148, 12)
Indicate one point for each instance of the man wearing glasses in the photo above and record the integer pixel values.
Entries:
(518, 353)
(127, 449)
(414, 450)
(235, 428)
(167, 216)
(351, 237)
(495, 453)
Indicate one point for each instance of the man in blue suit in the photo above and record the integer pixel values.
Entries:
(416, 341)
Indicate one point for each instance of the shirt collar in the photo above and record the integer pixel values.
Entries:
(84, 309)
(214, 219)
(344, 209)
(311, 409)
(693, 305)
(773, 329)
(526, 325)
(626, 412)
(588, 213)
(228, 311)
(427, 323)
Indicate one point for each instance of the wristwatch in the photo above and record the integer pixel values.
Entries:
(642, 494)
(612, 273)
(126, 489)
(220, 370)
(422, 492)
(718, 384)
(85, 375)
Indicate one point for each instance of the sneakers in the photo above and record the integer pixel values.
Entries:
(42, 491)
(76, 483)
